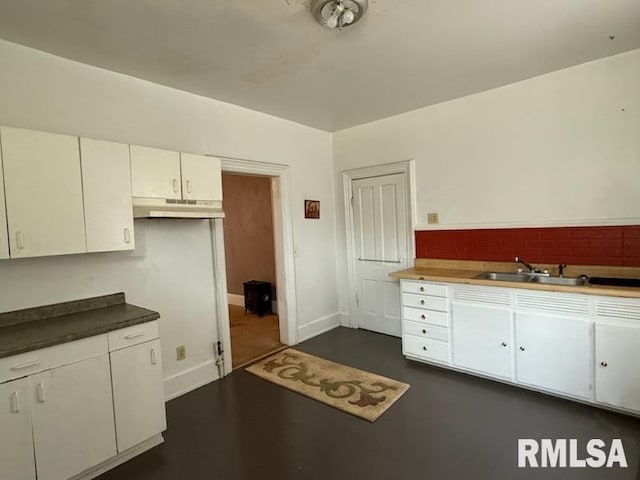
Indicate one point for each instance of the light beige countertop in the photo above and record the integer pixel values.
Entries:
(460, 271)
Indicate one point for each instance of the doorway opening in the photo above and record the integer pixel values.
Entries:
(251, 267)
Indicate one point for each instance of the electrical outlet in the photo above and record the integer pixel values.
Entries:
(432, 218)
(181, 352)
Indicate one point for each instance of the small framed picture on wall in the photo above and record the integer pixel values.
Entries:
(312, 209)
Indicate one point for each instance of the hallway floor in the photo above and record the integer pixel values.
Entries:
(447, 426)
(252, 336)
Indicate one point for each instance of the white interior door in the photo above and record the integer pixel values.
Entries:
(380, 232)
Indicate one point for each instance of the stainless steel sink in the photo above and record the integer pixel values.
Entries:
(525, 278)
(505, 277)
(572, 282)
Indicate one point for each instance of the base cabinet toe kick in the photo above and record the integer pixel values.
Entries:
(575, 346)
(78, 409)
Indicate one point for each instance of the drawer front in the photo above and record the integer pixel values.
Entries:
(129, 336)
(25, 364)
(426, 348)
(422, 288)
(424, 301)
(425, 316)
(423, 330)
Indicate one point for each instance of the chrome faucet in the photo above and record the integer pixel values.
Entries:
(533, 270)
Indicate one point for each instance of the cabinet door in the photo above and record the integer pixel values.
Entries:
(44, 193)
(482, 338)
(617, 372)
(4, 235)
(155, 173)
(106, 181)
(138, 393)
(16, 440)
(555, 353)
(73, 423)
(201, 177)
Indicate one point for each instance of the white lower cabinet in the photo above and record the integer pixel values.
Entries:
(482, 338)
(73, 427)
(555, 352)
(16, 438)
(572, 345)
(617, 372)
(138, 394)
(60, 420)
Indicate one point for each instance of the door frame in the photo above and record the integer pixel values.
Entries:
(280, 177)
(407, 168)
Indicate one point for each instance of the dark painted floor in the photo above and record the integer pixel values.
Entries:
(447, 426)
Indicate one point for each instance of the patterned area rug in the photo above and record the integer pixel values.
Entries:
(354, 391)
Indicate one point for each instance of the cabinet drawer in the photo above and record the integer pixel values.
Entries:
(424, 301)
(28, 363)
(423, 330)
(426, 348)
(129, 336)
(423, 288)
(429, 316)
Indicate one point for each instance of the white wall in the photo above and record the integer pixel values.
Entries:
(562, 148)
(171, 267)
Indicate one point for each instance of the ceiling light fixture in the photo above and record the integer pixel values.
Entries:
(338, 13)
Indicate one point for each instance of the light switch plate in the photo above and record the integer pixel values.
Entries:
(432, 218)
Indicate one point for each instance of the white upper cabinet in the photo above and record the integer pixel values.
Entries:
(201, 177)
(155, 173)
(43, 192)
(106, 181)
(4, 236)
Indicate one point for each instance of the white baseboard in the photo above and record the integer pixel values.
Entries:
(187, 381)
(234, 299)
(345, 319)
(119, 459)
(318, 326)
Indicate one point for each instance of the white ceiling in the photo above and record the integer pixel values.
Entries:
(271, 56)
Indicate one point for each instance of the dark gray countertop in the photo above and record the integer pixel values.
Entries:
(34, 328)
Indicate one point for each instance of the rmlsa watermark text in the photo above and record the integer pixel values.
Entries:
(565, 453)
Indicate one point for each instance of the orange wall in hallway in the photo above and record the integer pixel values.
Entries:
(248, 230)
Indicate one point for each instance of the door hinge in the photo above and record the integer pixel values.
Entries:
(352, 200)
(357, 301)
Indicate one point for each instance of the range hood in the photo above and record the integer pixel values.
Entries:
(171, 208)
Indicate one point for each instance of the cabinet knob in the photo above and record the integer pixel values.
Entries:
(424, 331)
(154, 360)
(423, 317)
(424, 348)
(422, 289)
(604, 364)
(503, 344)
(188, 186)
(421, 302)
(522, 349)
(127, 235)
(175, 185)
